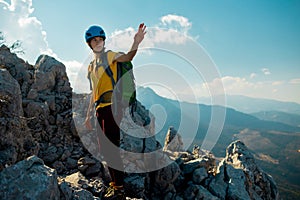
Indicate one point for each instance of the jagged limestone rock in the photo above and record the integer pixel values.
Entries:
(77, 186)
(218, 184)
(239, 177)
(199, 175)
(135, 185)
(18, 68)
(16, 141)
(258, 183)
(198, 192)
(29, 179)
(36, 107)
(50, 75)
(173, 141)
(10, 92)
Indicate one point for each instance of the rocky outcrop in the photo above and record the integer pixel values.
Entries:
(15, 141)
(239, 177)
(258, 184)
(45, 151)
(29, 179)
(173, 141)
(36, 112)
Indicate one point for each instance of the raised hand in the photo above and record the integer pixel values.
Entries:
(139, 36)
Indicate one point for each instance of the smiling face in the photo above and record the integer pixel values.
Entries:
(97, 44)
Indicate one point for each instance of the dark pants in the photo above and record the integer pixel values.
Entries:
(110, 152)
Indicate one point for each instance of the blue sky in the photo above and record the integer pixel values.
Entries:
(255, 45)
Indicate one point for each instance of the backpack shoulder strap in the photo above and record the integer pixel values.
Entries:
(90, 69)
(105, 64)
(107, 67)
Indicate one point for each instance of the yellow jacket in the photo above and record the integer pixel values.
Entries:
(101, 82)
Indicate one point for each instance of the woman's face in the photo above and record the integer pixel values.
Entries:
(97, 44)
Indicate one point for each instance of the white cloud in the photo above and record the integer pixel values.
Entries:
(295, 81)
(228, 85)
(172, 29)
(277, 83)
(29, 31)
(252, 75)
(159, 35)
(280, 90)
(236, 85)
(176, 22)
(120, 40)
(266, 71)
(72, 68)
(20, 11)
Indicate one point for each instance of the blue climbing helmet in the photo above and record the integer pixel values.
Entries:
(94, 31)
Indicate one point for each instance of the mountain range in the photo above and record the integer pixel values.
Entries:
(252, 105)
(278, 116)
(269, 128)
